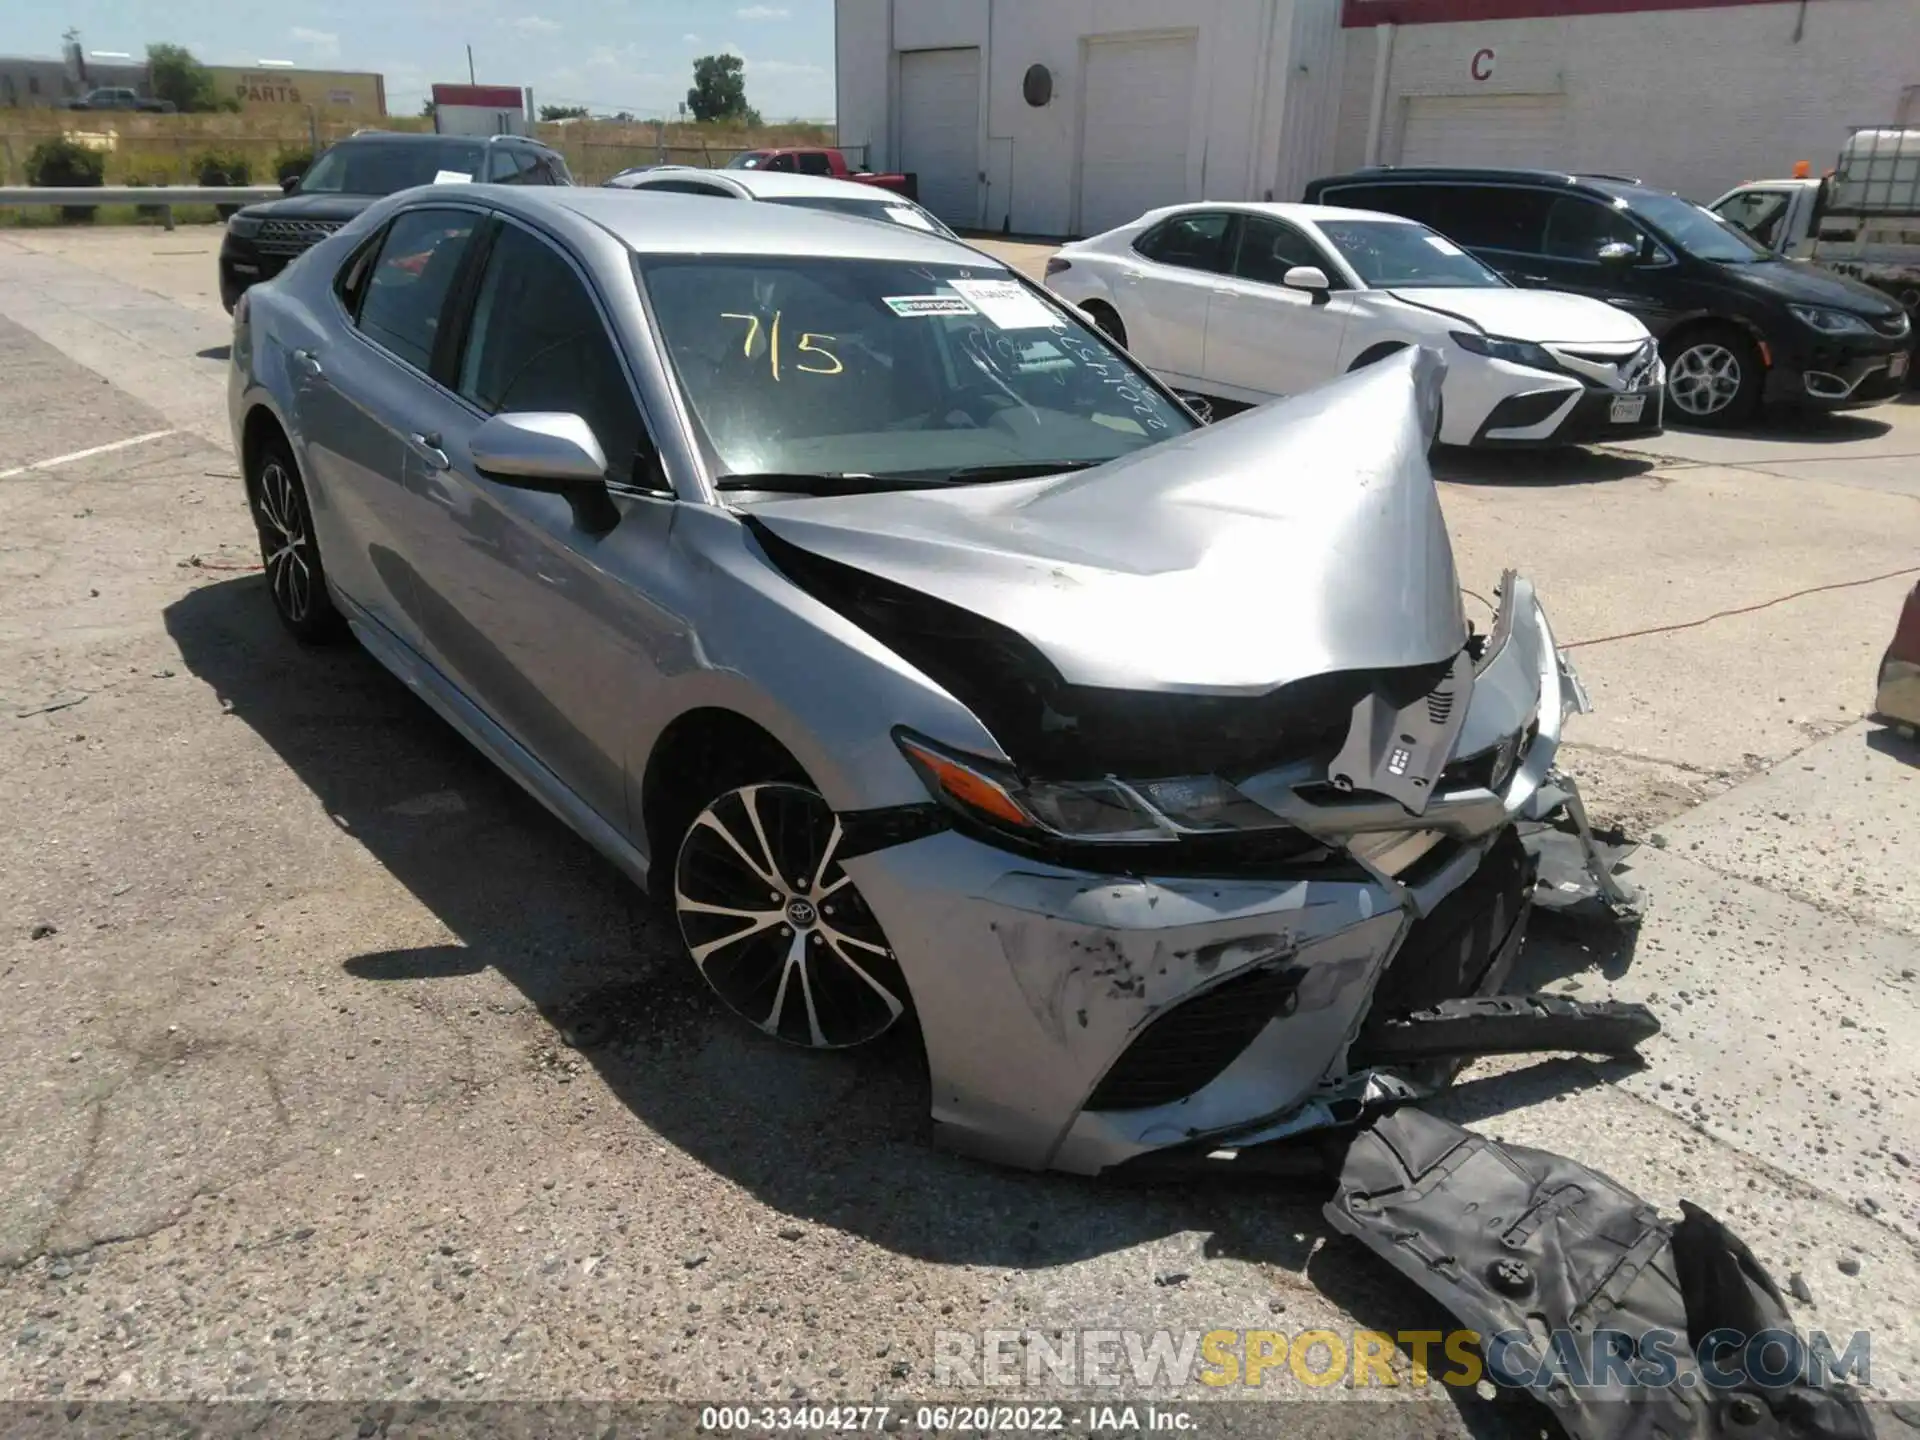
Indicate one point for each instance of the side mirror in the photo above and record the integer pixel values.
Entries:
(1619, 252)
(1306, 277)
(290, 184)
(552, 452)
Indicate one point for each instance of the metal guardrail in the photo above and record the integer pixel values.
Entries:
(163, 197)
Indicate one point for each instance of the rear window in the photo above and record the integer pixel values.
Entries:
(377, 167)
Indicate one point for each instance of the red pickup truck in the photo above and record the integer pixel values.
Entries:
(822, 160)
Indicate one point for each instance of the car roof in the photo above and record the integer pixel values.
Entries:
(1565, 179)
(1280, 210)
(666, 224)
(425, 137)
(769, 185)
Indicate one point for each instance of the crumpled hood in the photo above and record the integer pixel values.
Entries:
(1294, 540)
(1543, 316)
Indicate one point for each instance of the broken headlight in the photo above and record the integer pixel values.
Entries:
(1085, 811)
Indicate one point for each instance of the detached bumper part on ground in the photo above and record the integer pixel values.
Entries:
(1553, 1264)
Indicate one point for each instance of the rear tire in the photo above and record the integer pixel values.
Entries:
(289, 550)
(1108, 320)
(1714, 376)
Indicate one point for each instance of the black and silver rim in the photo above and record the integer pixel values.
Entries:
(1704, 378)
(777, 928)
(286, 546)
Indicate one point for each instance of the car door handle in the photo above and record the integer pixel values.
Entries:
(308, 361)
(1533, 279)
(429, 447)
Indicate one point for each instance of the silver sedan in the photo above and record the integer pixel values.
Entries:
(925, 654)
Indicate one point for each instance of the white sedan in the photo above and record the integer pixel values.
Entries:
(807, 192)
(1241, 303)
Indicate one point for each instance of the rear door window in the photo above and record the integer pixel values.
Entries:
(1193, 242)
(814, 163)
(404, 295)
(1413, 202)
(537, 342)
(1512, 218)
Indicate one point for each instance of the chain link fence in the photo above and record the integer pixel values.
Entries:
(166, 150)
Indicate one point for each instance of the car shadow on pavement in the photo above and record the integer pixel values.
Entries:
(1802, 427)
(1572, 465)
(1889, 741)
(839, 1139)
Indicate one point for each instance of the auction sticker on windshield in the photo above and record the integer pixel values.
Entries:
(908, 217)
(927, 305)
(452, 177)
(1008, 304)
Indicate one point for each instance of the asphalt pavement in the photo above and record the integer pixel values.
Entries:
(333, 1067)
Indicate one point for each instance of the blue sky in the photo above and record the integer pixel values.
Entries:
(635, 56)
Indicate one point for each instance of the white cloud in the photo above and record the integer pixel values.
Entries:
(782, 67)
(323, 43)
(605, 57)
(690, 39)
(535, 25)
(762, 12)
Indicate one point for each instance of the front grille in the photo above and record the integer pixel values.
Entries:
(1446, 955)
(1190, 1045)
(1611, 368)
(291, 237)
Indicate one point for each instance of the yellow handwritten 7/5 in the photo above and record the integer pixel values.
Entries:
(808, 346)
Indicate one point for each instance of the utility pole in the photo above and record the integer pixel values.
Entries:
(470, 64)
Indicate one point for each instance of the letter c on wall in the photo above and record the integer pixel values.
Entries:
(1481, 66)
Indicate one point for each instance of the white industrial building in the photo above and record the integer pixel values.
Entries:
(1063, 117)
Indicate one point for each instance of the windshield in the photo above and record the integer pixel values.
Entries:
(749, 160)
(372, 168)
(1699, 232)
(894, 210)
(880, 368)
(1385, 253)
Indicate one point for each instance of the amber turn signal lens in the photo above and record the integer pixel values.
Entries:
(966, 786)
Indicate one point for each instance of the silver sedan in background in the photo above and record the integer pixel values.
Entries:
(806, 192)
(922, 652)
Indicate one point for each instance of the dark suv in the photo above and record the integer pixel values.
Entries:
(1738, 325)
(349, 176)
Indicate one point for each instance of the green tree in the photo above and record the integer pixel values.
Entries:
(563, 112)
(720, 90)
(178, 77)
(427, 109)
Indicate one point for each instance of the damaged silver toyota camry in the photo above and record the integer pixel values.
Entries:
(938, 667)
(932, 660)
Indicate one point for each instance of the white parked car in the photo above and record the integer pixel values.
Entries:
(808, 192)
(1245, 302)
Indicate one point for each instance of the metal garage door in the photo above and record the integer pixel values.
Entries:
(1526, 130)
(1136, 117)
(940, 130)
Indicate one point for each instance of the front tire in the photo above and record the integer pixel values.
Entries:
(776, 927)
(1714, 376)
(289, 550)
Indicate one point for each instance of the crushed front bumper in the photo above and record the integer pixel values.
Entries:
(1077, 1020)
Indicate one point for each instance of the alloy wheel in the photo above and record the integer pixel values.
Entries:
(286, 540)
(776, 927)
(1704, 378)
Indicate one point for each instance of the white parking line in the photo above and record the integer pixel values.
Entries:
(87, 454)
